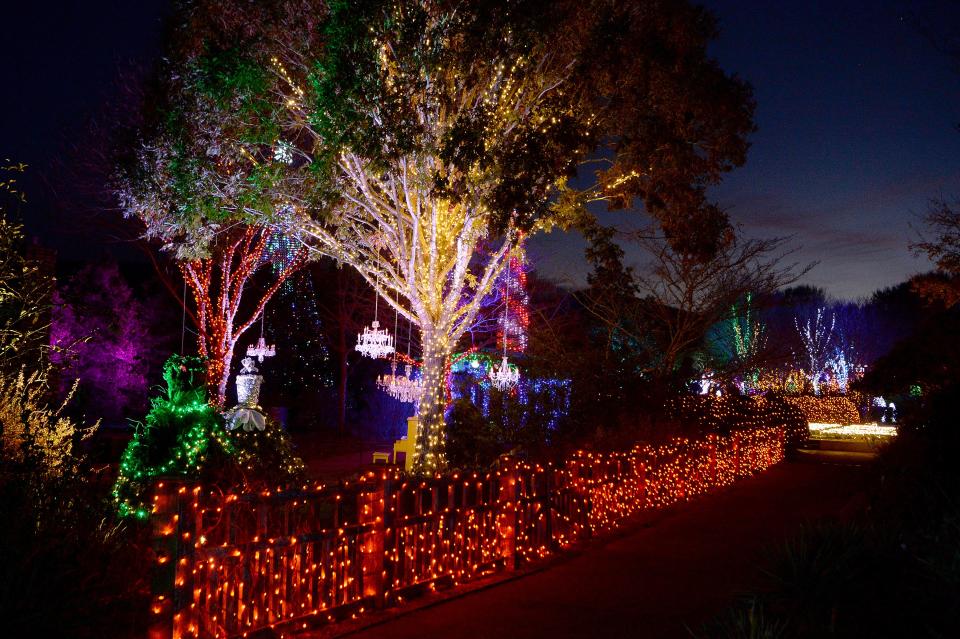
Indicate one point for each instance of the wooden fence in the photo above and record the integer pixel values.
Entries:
(272, 563)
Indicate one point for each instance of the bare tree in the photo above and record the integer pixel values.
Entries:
(679, 296)
(943, 249)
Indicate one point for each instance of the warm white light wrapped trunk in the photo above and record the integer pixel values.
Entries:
(431, 258)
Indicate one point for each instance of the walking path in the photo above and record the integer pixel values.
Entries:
(681, 567)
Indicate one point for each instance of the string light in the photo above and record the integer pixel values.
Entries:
(290, 559)
(834, 409)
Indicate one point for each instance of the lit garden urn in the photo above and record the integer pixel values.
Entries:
(247, 414)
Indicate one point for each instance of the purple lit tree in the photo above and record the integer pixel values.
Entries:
(106, 337)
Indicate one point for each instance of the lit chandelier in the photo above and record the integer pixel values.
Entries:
(409, 389)
(374, 341)
(390, 384)
(505, 376)
(262, 349)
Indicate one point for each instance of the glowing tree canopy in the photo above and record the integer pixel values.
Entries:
(417, 141)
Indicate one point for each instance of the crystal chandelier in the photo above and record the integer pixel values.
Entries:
(390, 383)
(374, 341)
(261, 350)
(409, 389)
(505, 376)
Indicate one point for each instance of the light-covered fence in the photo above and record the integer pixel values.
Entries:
(237, 564)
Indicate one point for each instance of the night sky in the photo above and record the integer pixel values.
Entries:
(857, 121)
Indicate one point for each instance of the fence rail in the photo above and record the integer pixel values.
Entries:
(237, 564)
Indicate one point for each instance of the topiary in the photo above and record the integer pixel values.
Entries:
(177, 437)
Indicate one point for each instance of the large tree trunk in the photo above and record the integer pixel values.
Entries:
(431, 438)
(342, 382)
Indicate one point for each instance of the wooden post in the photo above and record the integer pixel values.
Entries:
(713, 459)
(173, 523)
(372, 509)
(508, 511)
(736, 456)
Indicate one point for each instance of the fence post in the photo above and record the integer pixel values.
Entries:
(508, 511)
(372, 509)
(172, 540)
(712, 439)
(736, 456)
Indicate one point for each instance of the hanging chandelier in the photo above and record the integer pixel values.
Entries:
(505, 376)
(374, 341)
(388, 383)
(409, 389)
(261, 350)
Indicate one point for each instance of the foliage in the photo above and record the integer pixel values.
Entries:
(65, 569)
(748, 620)
(24, 288)
(943, 249)
(472, 441)
(179, 435)
(31, 428)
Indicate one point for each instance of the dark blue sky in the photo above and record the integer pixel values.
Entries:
(857, 115)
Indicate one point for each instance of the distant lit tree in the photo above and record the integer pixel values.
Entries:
(816, 335)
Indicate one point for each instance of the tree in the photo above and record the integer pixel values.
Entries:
(415, 141)
(816, 335)
(106, 337)
(217, 283)
(943, 249)
(688, 294)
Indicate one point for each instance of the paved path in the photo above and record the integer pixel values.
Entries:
(647, 582)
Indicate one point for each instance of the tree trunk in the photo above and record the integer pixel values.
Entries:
(431, 438)
(342, 382)
(218, 373)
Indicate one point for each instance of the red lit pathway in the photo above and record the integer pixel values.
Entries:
(684, 566)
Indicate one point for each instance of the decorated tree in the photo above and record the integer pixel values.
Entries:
(816, 335)
(417, 141)
(218, 282)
